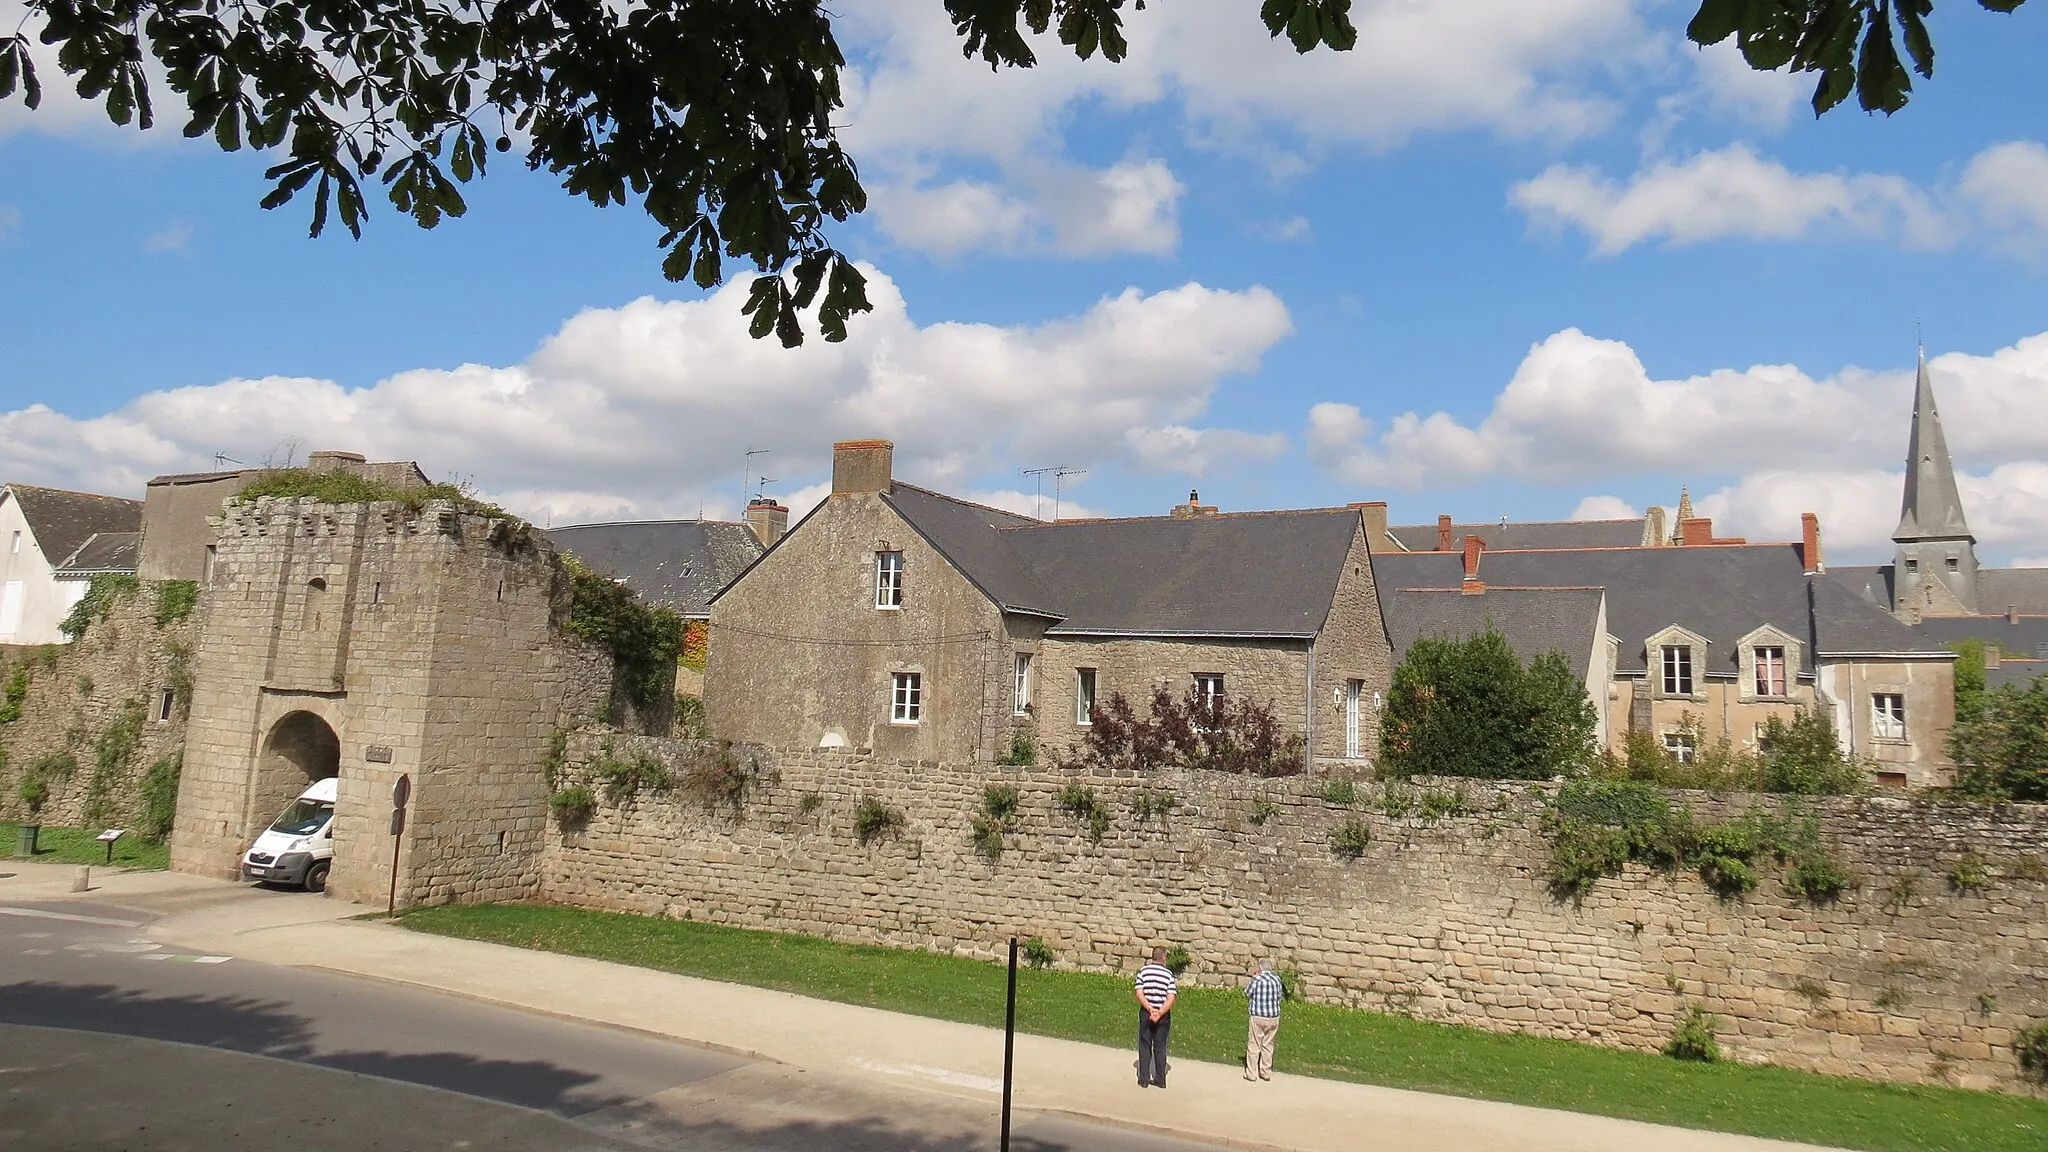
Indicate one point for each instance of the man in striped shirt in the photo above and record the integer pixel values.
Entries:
(1263, 995)
(1155, 990)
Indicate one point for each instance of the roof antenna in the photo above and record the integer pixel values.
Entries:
(747, 480)
(222, 460)
(1058, 475)
(1038, 489)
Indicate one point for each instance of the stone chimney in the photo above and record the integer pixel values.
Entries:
(1374, 515)
(1193, 508)
(1809, 543)
(767, 518)
(1444, 543)
(336, 462)
(862, 466)
(1992, 655)
(1655, 534)
(1471, 585)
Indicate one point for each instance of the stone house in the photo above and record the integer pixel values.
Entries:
(1712, 640)
(52, 543)
(924, 627)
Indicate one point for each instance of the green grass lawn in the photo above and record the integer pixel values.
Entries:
(1315, 1040)
(77, 846)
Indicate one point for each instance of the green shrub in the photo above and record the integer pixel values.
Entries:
(691, 723)
(1178, 961)
(809, 803)
(1804, 757)
(1437, 804)
(1145, 804)
(724, 774)
(2031, 1043)
(1350, 839)
(101, 595)
(1694, 1037)
(349, 488)
(874, 820)
(175, 600)
(999, 802)
(1397, 802)
(34, 789)
(1080, 802)
(573, 806)
(159, 791)
(1023, 752)
(1969, 873)
(11, 696)
(644, 639)
(1468, 707)
(111, 754)
(1037, 953)
(1263, 810)
(1342, 793)
(2001, 753)
(624, 780)
(1817, 878)
(985, 836)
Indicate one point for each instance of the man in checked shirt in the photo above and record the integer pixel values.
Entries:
(1263, 996)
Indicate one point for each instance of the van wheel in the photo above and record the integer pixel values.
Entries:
(316, 877)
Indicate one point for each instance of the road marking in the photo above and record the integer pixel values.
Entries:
(131, 946)
(942, 1075)
(186, 958)
(39, 914)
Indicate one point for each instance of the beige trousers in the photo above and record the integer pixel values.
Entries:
(1258, 1047)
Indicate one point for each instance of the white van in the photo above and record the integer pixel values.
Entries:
(298, 848)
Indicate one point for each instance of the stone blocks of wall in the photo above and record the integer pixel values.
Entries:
(1449, 920)
(77, 691)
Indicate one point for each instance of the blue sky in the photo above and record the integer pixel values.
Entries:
(1504, 259)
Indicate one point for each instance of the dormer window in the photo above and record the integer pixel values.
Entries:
(1676, 664)
(1770, 669)
(1770, 662)
(888, 579)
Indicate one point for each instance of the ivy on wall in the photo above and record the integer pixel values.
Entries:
(101, 595)
(644, 639)
(349, 488)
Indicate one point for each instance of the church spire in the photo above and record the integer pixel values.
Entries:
(1932, 509)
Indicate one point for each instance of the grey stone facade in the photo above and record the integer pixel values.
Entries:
(371, 641)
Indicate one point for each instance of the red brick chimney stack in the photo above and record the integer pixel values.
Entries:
(1474, 546)
(1443, 534)
(1809, 543)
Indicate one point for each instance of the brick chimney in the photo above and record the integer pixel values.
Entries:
(1809, 543)
(1471, 585)
(1193, 508)
(862, 466)
(1444, 543)
(1695, 530)
(767, 518)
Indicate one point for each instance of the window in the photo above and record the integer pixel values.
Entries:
(1770, 670)
(888, 579)
(1954, 565)
(15, 545)
(1888, 716)
(1912, 565)
(206, 574)
(1084, 695)
(1209, 691)
(1682, 745)
(906, 703)
(10, 607)
(165, 704)
(1020, 699)
(1677, 670)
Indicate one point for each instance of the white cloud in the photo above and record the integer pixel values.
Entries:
(1195, 451)
(2030, 562)
(1129, 207)
(2009, 184)
(1730, 192)
(10, 222)
(644, 409)
(1731, 86)
(1605, 508)
(171, 239)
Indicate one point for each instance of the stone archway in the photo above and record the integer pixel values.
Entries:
(300, 749)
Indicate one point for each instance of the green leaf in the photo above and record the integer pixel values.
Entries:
(319, 208)
(763, 302)
(1881, 80)
(1919, 45)
(1716, 21)
(227, 131)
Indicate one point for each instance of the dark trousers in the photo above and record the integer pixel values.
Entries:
(1152, 1048)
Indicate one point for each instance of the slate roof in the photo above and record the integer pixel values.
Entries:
(2027, 636)
(1931, 508)
(1266, 574)
(2020, 672)
(678, 564)
(63, 521)
(1721, 593)
(1533, 620)
(2025, 589)
(1528, 534)
(101, 553)
(1869, 582)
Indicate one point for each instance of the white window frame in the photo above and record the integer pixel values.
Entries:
(1209, 690)
(906, 697)
(1020, 689)
(1084, 697)
(1675, 671)
(1888, 716)
(889, 580)
(166, 705)
(14, 548)
(1761, 659)
(1685, 746)
(1353, 691)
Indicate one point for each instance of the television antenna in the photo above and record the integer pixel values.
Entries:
(222, 460)
(747, 486)
(1059, 472)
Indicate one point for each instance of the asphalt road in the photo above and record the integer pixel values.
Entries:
(111, 1041)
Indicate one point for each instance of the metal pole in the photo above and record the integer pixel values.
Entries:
(1009, 1042)
(391, 904)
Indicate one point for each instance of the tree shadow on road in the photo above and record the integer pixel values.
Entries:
(270, 1028)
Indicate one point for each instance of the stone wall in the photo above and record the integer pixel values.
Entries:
(1905, 978)
(77, 691)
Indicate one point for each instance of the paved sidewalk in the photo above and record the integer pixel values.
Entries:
(1206, 1102)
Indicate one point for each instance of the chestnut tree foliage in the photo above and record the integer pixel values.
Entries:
(716, 115)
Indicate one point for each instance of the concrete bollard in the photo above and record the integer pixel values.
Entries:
(81, 880)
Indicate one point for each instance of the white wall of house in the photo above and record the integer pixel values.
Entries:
(32, 600)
